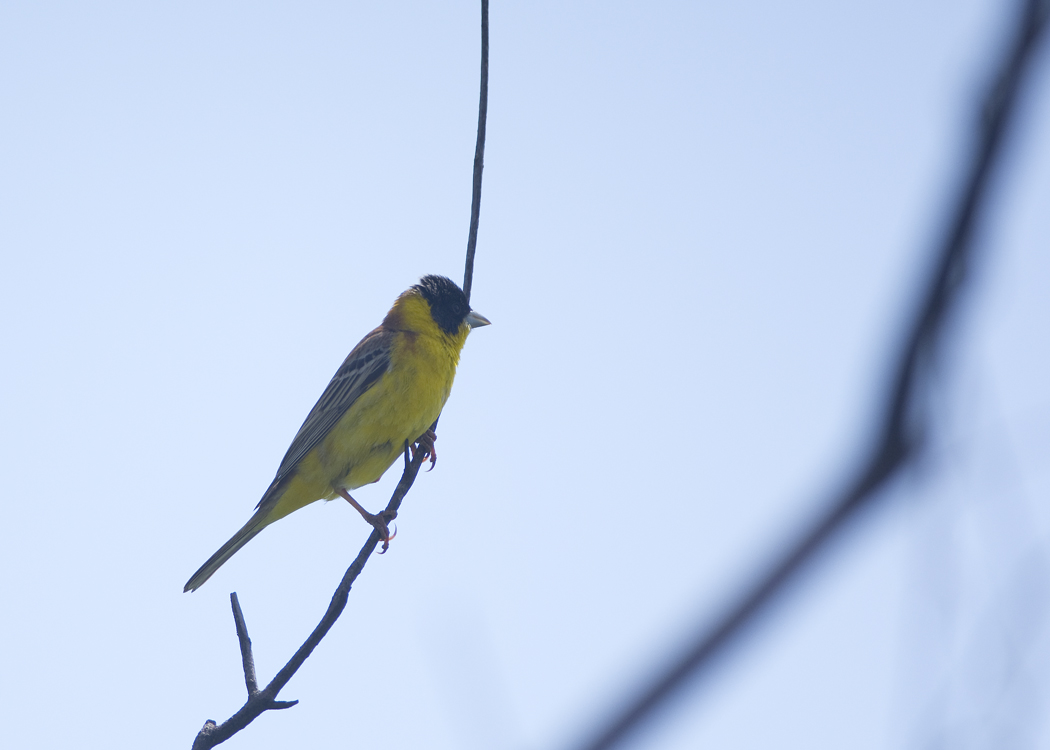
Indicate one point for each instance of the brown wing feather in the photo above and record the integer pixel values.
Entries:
(360, 370)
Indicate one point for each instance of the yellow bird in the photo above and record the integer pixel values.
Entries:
(388, 392)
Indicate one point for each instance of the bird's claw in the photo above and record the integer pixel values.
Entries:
(378, 521)
(425, 443)
(386, 541)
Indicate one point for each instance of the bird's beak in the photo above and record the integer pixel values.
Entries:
(477, 320)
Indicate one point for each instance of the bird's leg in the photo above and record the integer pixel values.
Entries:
(425, 443)
(377, 520)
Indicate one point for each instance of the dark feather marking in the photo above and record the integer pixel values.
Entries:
(448, 304)
(380, 447)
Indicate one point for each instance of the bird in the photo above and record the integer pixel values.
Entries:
(383, 399)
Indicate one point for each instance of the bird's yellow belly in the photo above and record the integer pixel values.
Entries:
(366, 441)
(371, 435)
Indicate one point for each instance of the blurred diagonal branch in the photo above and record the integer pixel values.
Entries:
(260, 701)
(897, 436)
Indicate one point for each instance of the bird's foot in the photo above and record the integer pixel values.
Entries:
(425, 443)
(378, 521)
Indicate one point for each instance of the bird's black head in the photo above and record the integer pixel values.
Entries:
(448, 304)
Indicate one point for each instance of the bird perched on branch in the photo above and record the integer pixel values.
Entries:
(385, 396)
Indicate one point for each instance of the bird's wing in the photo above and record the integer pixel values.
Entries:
(359, 372)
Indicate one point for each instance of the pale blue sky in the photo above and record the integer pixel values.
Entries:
(702, 226)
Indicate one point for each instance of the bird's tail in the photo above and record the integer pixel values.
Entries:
(255, 524)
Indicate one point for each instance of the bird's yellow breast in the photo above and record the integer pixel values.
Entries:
(399, 407)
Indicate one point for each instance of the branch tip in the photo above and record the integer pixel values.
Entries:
(247, 660)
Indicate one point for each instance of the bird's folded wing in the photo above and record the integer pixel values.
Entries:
(359, 372)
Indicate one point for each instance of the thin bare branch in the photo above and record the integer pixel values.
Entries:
(247, 660)
(897, 438)
(263, 700)
(479, 152)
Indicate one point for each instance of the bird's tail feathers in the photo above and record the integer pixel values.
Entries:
(255, 524)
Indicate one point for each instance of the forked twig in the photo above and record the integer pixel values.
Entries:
(263, 700)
